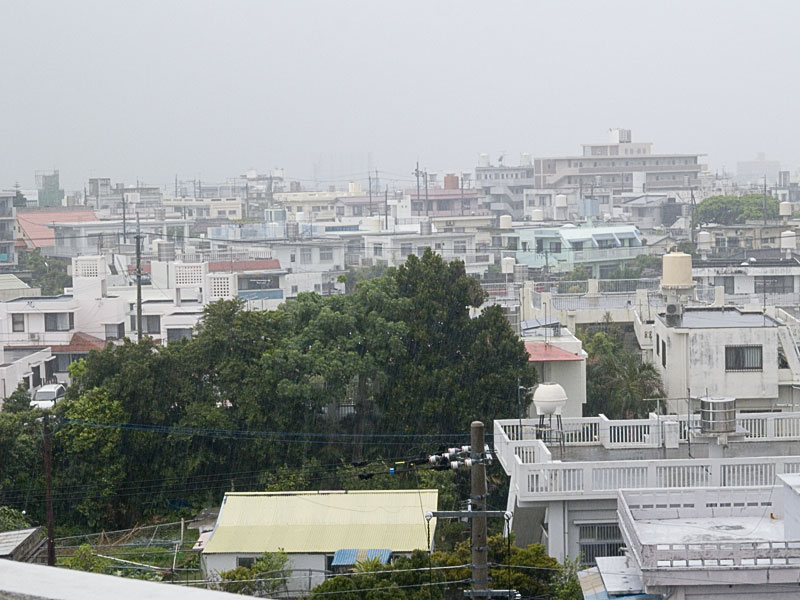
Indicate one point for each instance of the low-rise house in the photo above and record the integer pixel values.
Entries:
(318, 530)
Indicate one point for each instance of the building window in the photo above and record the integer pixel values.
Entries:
(17, 322)
(663, 353)
(743, 358)
(244, 561)
(774, 284)
(724, 282)
(599, 539)
(294, 289)
(115, 331)
(377, 250)
(59, 321)
(179, 333)
(658, 340)
(460, 247)
(305, 256)
(405, 249)
(151, 324)
(325, 254)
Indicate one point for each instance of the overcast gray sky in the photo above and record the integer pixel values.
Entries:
(151, 89)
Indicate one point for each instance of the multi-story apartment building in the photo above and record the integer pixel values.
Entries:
(505, 186)
(559, 249)
(8, 215)
(620, 165)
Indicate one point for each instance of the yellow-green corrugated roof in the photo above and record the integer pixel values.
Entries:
(322, 522)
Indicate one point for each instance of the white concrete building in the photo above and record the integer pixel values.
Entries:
(392, 249)
(204, 208)
(706, 543)
(566, 497)
(727, 352)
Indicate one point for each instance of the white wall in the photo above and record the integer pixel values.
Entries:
(696, 362)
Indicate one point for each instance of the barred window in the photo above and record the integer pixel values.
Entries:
(599, 539)
(743, 358)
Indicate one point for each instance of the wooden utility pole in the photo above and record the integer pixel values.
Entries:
(480, 548)
(48, 492)
(138, 280)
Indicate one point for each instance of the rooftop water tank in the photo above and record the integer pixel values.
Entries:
(537, 214)
(354, 188)
(375, 224)
(483, 160)
(704, 240)
(788, 240)
(549, 398)
(525, 160)
(718, 415)
(506, 222)
(677, 270)
(507, 265)
(561, 201)
(785, 209)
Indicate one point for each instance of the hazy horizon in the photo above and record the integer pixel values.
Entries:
(207, 90)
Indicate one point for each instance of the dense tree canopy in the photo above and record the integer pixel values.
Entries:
(734, 210)
(258, 399)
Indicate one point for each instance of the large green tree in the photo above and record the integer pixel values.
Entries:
(389, 372)
(735, 210)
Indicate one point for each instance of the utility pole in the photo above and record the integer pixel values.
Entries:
(425, 176)
(462, 194)
(417, 174)
(48, 491)
(476, 457)
(138, 280)
(369, 178)
(124, 220)
(386, 208)
(765, 198)
(480, 549)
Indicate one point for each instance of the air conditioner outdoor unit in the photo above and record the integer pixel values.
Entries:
(673, 314)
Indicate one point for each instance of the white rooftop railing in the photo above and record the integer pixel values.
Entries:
(751, 502)
(537, 476)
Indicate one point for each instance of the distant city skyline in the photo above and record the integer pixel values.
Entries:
(206, 91)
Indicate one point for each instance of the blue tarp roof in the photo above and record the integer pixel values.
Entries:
(348, 556)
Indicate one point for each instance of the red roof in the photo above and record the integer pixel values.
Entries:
(81, 342)
(543, 352)
(244, 265)
(35, 228)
